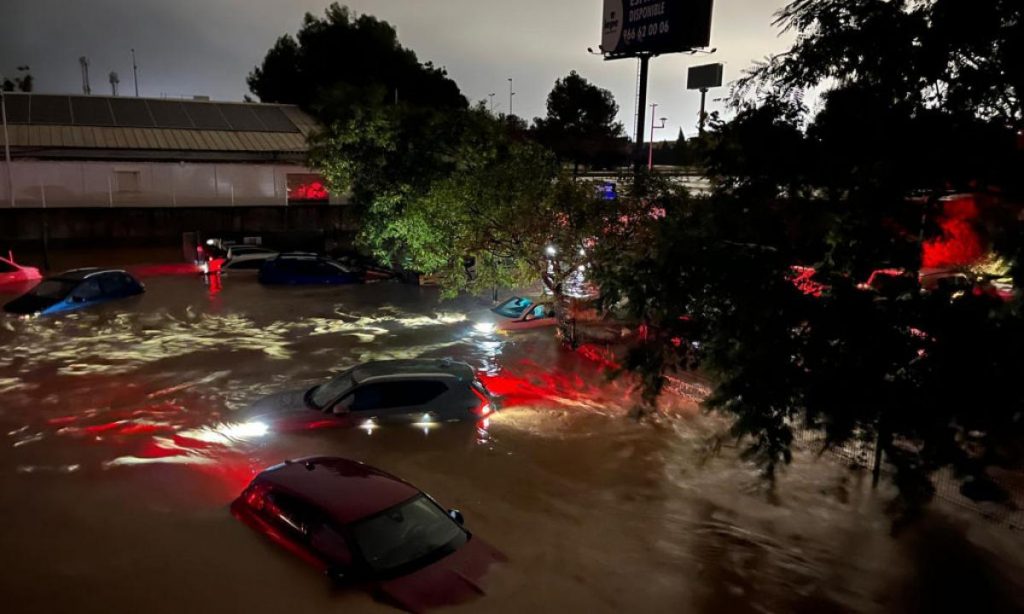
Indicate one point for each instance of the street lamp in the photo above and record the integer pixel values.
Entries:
(510, 95)
(650, 152)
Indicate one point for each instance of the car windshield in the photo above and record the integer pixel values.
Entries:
(406, 534)
(513, 307)
(54, 288)
(324, 394)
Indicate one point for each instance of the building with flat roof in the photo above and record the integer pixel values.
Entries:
(89, 151)
(186, 160)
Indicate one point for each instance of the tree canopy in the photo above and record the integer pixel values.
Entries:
(343, 60)
(22, 83)
(915, 144)
(465, 189)
(580, 124)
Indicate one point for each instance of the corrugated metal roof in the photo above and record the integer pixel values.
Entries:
(48, 134)
(90, 137)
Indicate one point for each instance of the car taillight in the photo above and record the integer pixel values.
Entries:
(484, 409)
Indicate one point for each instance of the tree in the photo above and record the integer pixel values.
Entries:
(492, 199)
(21, 83)
(922, 100)
(343, 61)
(580, 125)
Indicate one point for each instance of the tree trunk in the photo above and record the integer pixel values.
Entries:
(565, 320)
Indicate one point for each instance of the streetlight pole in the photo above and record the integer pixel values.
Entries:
(135, 73)
(510, 95)
(650, 150)
(491, 96)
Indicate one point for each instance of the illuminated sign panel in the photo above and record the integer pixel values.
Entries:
(640, 27)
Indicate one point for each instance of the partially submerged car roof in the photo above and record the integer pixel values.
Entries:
(347, 490)
(84, 273)
(398, 369)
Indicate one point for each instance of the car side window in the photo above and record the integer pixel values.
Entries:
(6, 268)
(540, 311)
(246, 265)
(87, 290)
(396, 394)
(328, 268)
(308, 267)
(112, 283)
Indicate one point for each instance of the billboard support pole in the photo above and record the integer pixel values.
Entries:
(703, 115)
(641, 119)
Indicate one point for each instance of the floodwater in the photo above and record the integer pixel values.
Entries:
(121, 451)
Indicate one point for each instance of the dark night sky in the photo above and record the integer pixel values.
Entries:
(188, 47)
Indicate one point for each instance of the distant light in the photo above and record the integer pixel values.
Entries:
(369, 425)
(582, 268)
(550, 251)
(485, 328)
(211, 242)
(583, 252)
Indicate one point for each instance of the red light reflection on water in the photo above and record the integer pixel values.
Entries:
(528, 383)
(601, 355)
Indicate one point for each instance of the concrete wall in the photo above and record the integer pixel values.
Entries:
(160, 184)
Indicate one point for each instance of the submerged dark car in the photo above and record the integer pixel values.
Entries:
(306, 269)
(374, 394)
(75, 289)
(368, 529)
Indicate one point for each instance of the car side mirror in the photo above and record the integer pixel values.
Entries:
(456, 515)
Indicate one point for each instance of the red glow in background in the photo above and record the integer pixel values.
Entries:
(960, 244)
(314, 190)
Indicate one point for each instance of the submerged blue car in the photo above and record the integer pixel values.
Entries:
(306, 269)
(75, 289)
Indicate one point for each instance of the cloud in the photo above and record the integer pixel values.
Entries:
(190, 47)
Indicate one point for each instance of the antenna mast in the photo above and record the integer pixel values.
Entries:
(84, 62)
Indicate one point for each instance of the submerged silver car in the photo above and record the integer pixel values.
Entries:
(382, 392)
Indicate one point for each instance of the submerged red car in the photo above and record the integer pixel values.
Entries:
(13, 273)
(368, 529)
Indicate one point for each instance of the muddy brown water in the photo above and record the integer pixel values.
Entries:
(121, 453)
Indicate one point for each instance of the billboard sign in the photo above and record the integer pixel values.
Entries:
(704, 77)
(642, 27)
